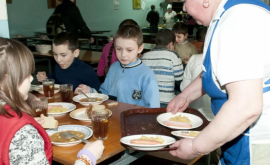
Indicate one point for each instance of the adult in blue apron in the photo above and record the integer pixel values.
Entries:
(241, 126)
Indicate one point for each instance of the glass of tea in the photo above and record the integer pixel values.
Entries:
(66, 91)
(100, 124)
(48, 88)
(40, 106)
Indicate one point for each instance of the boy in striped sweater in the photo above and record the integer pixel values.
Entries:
(166, 65)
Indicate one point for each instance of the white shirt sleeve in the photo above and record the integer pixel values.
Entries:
(27, 147)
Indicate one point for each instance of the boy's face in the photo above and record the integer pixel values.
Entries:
(63, 56)
(180, 38)
(127, 50)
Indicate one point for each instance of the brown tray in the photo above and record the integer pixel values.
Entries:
(143, 121)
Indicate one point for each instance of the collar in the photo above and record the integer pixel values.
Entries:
(160, 47)
(219, 11)
(132, 65)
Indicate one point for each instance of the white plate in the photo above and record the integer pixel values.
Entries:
(183, 134)
(32, 88)
(78, 97)
(126, 140)
(70, 107)
(42, 92)
(87, 131)
(79, 114)
(195, 121)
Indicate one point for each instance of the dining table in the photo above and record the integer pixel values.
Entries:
(113, 146)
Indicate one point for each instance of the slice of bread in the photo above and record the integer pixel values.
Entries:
(114, 103)
(50, 122)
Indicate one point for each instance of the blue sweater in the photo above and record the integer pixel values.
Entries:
(77, 73)
(135, 84)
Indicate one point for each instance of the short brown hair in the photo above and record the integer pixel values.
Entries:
(128, 22)
(200, 34)
(164, 37)
(153, 7)
(130, 32)
(66, 38)
(16, 64)
(180, 28)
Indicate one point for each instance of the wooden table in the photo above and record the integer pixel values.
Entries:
(67, 155)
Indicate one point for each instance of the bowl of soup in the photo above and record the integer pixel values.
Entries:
(95, 99)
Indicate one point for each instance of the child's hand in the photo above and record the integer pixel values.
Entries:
(39, 120)
(41, 76)
(83, 88)
(96, 148)
(186, 59)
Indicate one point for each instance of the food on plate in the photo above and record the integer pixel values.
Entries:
(50, 122)
(57, 110)
(56, 137)
(94, 98)
(54, 106)
(114, 103)
(144, 140)
(95, 108)
(190, 133)
(180, 119)
(177, 124)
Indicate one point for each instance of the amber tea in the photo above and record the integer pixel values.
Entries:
(100, 124)
(48, 88)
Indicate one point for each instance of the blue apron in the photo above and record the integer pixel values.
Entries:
(237, 151)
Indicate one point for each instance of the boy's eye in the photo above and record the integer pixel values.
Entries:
(118, 48)
(129, 50)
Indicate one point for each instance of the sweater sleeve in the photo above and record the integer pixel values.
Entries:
(27, 147)
(151, 91)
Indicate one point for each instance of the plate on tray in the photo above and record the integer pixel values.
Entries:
(70, 107)
(126, 140)
(87, 131)
(186, 134)
(80, 114)
(195, 121)
(39, 89)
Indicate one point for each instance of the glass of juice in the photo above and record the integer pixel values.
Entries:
(66, 91)
(48, 88)
(40, 106)
(100, 124)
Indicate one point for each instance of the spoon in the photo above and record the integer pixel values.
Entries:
(88, 98)
(68, 135)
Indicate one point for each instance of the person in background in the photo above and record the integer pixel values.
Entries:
(153, 19)
(237, 82)
(24, 140)
(129, 80)
(166, 65)
(169, 16)
(108, 56)
(69, 69)
(200, 37)
(183, 48)
(72, 20)
(190, 24)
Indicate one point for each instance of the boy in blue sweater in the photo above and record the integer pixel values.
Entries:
(129, 80)
(70, 70)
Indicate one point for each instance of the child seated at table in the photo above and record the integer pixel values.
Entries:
(166, 65)
(69, 69)
(200, 36)
(183, 48)
(23, 139)
(129, 80)
(108, 56)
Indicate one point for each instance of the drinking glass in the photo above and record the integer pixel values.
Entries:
(100, 124)
(66, 91)
(48, 88)
(40, 106)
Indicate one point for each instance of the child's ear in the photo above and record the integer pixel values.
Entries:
(186, 36)
(170, 46)
(76, 52)
(140, 49)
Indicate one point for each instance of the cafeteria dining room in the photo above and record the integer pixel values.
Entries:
(74, 90)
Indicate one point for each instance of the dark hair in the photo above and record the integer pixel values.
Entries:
(128, 22)
(180, 28)
(16, 64)
(164, 37)
(153, 7)
(66, 38)
(200, 34)
(130, 32)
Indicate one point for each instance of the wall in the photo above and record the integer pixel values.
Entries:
(4, 30)
(29, 16)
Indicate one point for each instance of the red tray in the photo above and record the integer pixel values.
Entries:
(143, 121)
